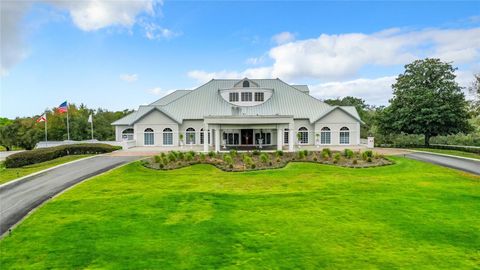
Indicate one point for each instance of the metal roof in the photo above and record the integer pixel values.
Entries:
(205, 101)
(170, 97)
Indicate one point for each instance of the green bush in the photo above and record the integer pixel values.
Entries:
(189, 156)
(325, 155)
(301, 154)
(157, 159)
(181, 155)
(253, 166)
(171, 156)
(355, 161)
(369, 159)
(336, 158)
(348, 153)
(233, 153)
(228, 159)
(202, 157)
(264, 158)
(368, 153)
(256, 152)
(44, 154)
(305, 152)
(247, 160)
(211, 154)
(192, 153)
(327, 151)
(279, 153)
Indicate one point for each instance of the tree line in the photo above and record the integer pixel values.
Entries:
(25, 132)
(426, 102)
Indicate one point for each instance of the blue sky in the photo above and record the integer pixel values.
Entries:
(118, 55)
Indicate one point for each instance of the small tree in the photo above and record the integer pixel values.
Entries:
(426, 100)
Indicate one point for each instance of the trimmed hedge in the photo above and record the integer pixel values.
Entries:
(464, 148)
(45, 154)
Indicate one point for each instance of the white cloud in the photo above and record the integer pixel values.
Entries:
(283, 37)
(90, 15)
(12, 48)
(154, 31)
(129, 77)
(334, 57)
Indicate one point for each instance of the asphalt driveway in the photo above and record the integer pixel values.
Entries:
(467, 165)
(18, 198)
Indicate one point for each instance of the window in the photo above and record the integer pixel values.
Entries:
(266, 138)
(258, 96)
(246, 96)
(148, 137)
(190, 136)
(167, 136)
(233, 97)
(231, 138)
(127, 134)
(325, 136)
(246, 84)
(344, 135)
(285, 136)
(202, 136)
(303, 135)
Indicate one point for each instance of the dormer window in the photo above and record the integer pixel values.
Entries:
(259, 96)
(246, 96)
(233, 97)
(246, 83)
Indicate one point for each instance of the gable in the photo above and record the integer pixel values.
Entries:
(155, 117)
(337, 115)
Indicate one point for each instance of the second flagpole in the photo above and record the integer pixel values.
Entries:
(68, 126)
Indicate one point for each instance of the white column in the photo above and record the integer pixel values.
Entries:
(217, 139)
(291, 139)
(279, 139)
(205, 138)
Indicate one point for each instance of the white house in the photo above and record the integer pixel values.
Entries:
(241, 114)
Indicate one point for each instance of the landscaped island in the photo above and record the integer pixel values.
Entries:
(409, 215)
(256, 160)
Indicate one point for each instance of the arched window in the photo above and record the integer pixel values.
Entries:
(148, 137)
(127, 134)
(167, 136)
(344, 135)
(325, 136)
(202, 137)
(246, 84)
(190, 135)
(303, 135)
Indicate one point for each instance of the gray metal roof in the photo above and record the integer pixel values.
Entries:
(302, 87)
(205, 101)
(170, 97)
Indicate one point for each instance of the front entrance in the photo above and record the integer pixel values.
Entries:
(247, 136)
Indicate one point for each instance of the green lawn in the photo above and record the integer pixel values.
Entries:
(410, 215)
(450, 152)
(13, 173)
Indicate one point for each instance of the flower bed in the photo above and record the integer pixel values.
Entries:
(256, 160)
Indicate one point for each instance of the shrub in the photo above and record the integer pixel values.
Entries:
(278, 160)
(181, 155)
(228, 159)
(44, 154)
(161, 166)
(327, 151)
(233, 153)
(189, 156)
(157, 159)
(172, 157)
(163, 155)
(305, 152)
(369, 159)
(253, 166)
(348, 153)
(301, 154)
(315, 158)
(256, 152)
(325, 156)
(336, 158)
(211, 154)
(355, 162)
(264, 158)
(367, 154)
(192, 153)
(202, 157)
(247, 160)
(230, 166)
(279, 153)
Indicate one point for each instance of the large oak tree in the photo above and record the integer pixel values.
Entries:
(426, 100)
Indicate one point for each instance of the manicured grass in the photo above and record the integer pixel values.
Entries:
(410, 215)
(8, 174)
(450, 152)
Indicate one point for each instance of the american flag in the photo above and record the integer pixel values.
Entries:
(62, 108)
(42, 118)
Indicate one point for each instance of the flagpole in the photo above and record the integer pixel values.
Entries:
(46, 133)
(91, 125)
(68, 126)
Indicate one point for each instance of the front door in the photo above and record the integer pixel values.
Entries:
(247, 136)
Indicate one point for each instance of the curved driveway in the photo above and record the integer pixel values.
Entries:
(463, 164)
(18, 198)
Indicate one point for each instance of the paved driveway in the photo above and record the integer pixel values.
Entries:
(19, 198)
(467, 165)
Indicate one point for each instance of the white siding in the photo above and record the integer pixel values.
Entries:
(157, 121)
(335, 121)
